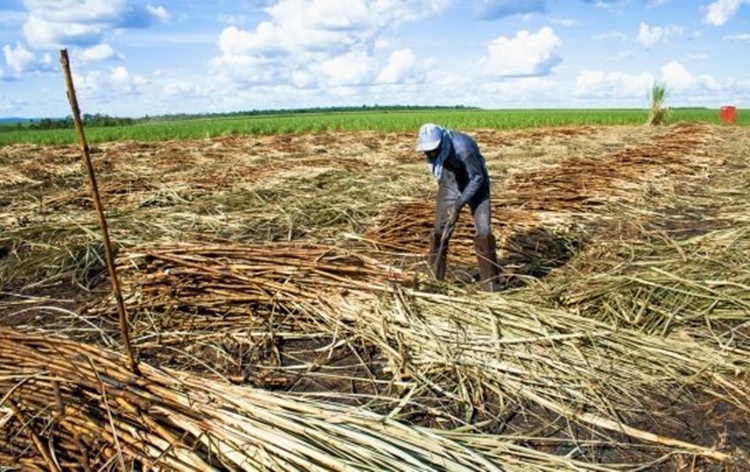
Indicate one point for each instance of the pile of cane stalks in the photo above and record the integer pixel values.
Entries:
(467, 359)
(75, 406)
(72, 406)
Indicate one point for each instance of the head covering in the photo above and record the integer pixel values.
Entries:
(429, 137)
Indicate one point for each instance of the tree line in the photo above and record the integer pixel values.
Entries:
(103, 120)
(96, 120)
(301, 111)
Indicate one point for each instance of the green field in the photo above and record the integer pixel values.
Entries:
(379, 120)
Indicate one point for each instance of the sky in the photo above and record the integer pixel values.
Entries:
(133, 58)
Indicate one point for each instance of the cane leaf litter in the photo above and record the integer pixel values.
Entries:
(284, 318)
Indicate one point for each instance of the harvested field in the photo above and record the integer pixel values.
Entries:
(283, 317)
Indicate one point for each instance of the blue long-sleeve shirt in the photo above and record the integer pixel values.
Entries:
(467, 163)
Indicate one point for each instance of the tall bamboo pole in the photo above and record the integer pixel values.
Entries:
(123, 318)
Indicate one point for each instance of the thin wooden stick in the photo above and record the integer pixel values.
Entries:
(99, 211)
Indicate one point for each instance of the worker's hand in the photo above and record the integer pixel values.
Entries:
(454, 212)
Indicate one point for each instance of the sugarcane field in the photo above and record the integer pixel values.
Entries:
(280, 312)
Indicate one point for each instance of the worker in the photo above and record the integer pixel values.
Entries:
(458, 166)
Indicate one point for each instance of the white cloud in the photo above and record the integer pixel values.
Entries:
(233, 70)
(678, 78)
(404, 11)
(125, 82)
(681, 84)
(99, 87)
(527, 54)
(236, 42)
(458, 88)
(720, 11)
(299, 26)
(63, 23)
(159, 13)
(400, 67)
(76, 11)
(353, 68)
(328, 43)
(89, 82)
(303, 79)
(43, 34)
(336, 15)
(21, 60)
(100, 52)
(601, 84)
(649, 36)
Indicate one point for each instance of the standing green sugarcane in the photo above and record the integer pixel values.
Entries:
(657, 112)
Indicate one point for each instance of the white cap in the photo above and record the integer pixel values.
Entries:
(429, 137)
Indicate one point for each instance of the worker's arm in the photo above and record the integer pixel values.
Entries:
(468, 153)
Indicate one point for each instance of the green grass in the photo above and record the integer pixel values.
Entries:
(365, 120)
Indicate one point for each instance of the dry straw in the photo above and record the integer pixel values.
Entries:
(643, 304)
(93, 413)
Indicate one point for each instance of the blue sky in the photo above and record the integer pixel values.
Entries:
(150, 57)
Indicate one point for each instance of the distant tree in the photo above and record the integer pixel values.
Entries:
(100, 120)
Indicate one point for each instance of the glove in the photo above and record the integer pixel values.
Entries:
(453, 212)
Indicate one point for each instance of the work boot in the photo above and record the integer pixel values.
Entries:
(489, 270)
(437, 256)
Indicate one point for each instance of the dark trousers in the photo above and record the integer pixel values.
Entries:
(448, 194)
(484, 240)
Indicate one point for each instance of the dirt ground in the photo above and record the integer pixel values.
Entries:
(562, 199)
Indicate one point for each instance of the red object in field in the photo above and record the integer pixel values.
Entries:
(728, 114)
